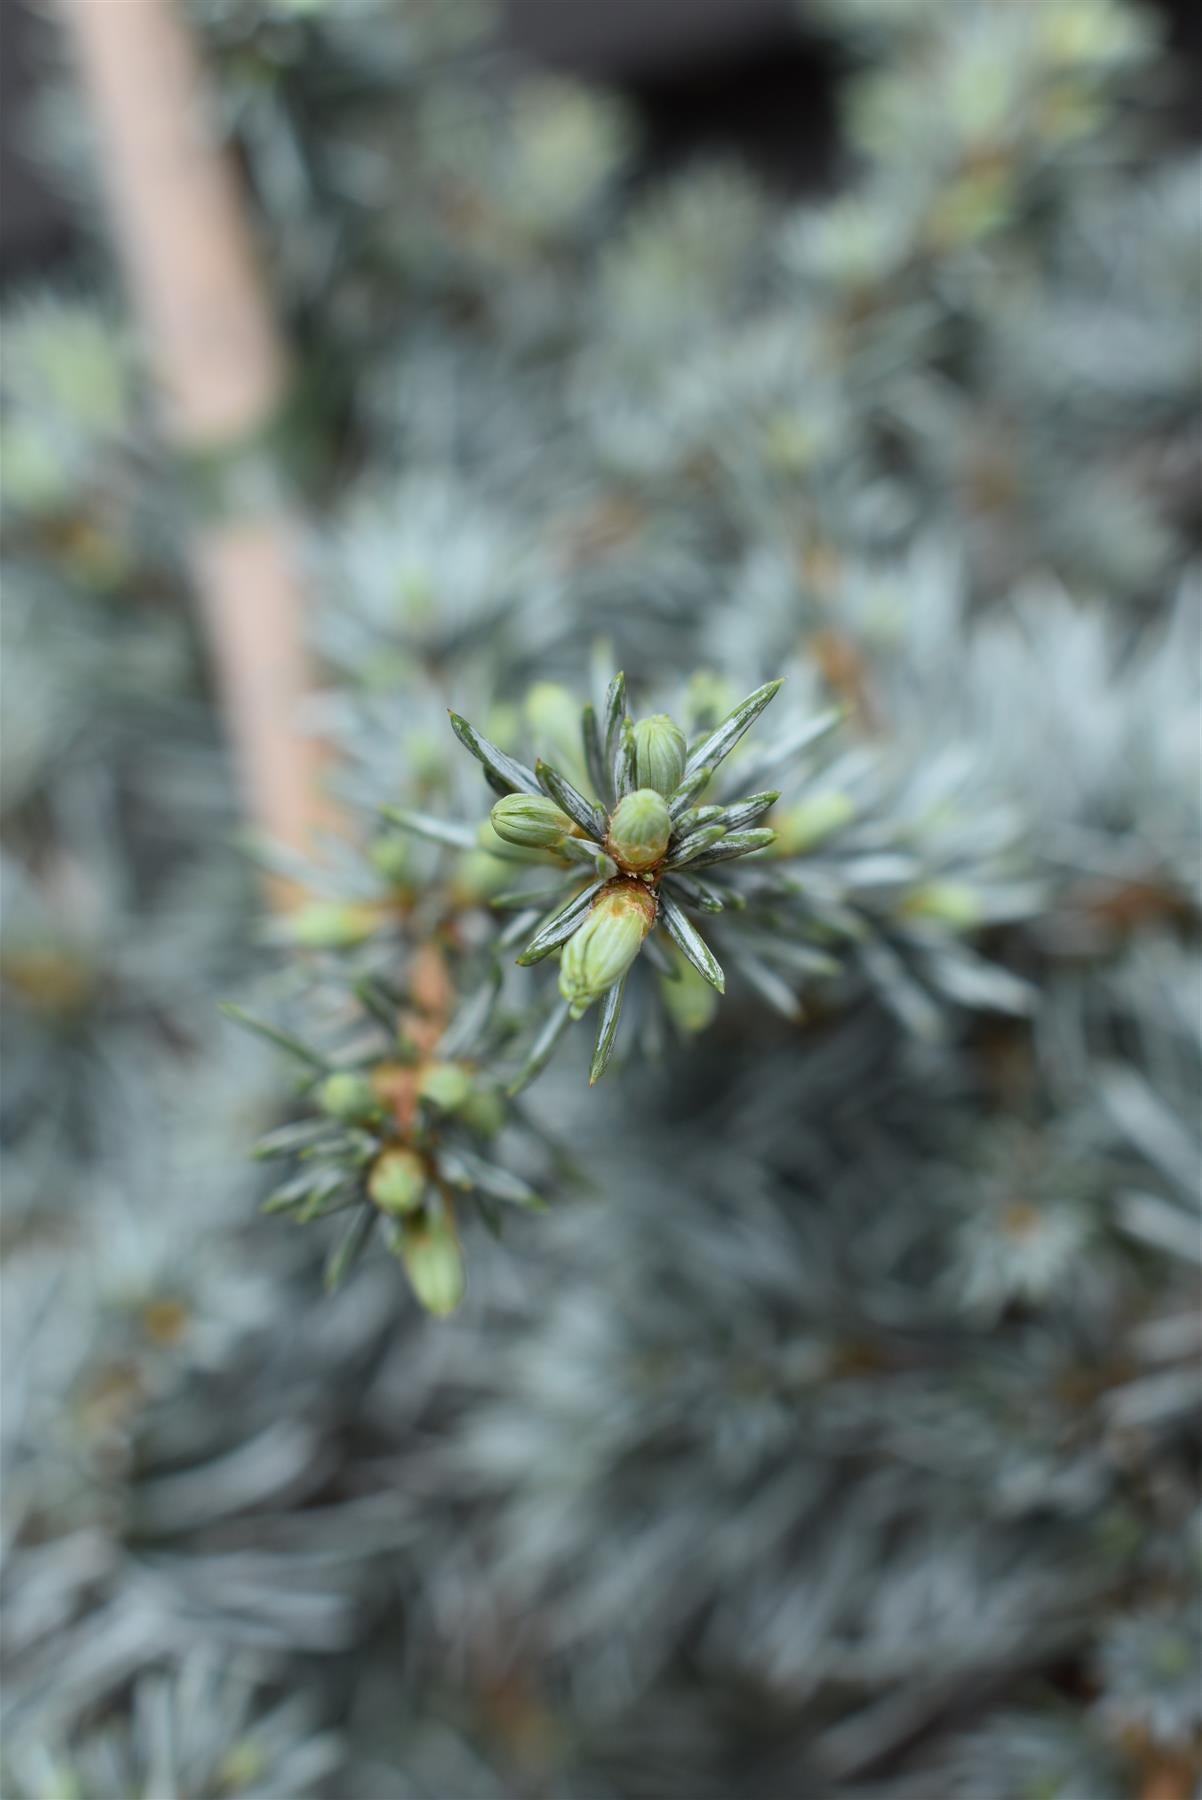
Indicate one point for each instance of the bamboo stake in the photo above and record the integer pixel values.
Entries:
(221, 370)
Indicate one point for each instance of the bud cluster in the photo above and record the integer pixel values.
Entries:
(390, 1140)
(636, 851)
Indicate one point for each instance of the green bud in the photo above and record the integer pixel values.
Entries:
(804, 826)
(434, 1264)
(397, 1181)
(951, 903)
(390, 670)
(479, 874)
(426, 758)
(330, 925)
(34, 473)
(788, 443)
(639, 829)
(415, 597)
(1076, 36)
(347, 1097)
(972, 206)
(1172, 1655)
(601, 950)
(503, 725)
(243, 1765)
(709, 698)
(57, 1781)
(659, 751)
(392, 855)
(76, 363)
(488, 840)
(553, 718)
(445, 1085)
(530, 820)
(691, 1001)
(483, 1111)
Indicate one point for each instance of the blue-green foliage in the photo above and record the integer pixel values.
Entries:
(834, 1430)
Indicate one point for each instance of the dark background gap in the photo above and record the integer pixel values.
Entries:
(709, 76)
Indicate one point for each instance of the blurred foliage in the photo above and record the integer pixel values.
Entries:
(834, 1430)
